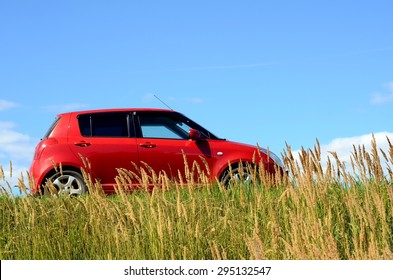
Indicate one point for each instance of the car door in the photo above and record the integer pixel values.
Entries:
(164, 145)
(108, 141)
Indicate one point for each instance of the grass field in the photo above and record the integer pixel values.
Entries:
(343, 211)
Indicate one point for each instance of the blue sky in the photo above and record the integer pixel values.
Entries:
(266, 72)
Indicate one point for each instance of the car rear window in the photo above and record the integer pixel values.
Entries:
(53, 125)
(105, 125)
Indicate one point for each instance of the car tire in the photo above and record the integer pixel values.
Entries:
(69, 183)
(238, 175)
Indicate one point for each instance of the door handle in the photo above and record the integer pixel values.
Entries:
(82, 144)
(148, 145)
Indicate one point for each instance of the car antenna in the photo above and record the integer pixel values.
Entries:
(166, 105)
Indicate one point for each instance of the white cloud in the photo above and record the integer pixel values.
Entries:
(148, 97)
(5, 105)
(11, 179)
(6, 125)
(62, 108)
(14, 145)
(344, 147)
(380, 98)
(16, 149)
(195, 100)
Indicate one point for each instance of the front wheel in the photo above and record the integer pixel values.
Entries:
(238, 175)
(69, 183)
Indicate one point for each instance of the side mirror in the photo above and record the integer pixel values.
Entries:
(195, 134)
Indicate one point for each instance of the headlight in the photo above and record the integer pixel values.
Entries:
(273, 156)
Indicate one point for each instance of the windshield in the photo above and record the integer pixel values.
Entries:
(192, 124)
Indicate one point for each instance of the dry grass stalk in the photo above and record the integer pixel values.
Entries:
(311, 213)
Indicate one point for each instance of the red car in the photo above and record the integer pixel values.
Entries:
(130, 139)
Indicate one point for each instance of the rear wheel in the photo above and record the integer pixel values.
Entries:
(69, 183)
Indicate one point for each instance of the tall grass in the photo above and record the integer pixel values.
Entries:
(337, 212)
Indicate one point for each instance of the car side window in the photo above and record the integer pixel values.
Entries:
(161, 126)
(105, 125)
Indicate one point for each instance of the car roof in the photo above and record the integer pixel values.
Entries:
(114, 110)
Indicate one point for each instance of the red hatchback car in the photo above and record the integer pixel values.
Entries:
(131, 138)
